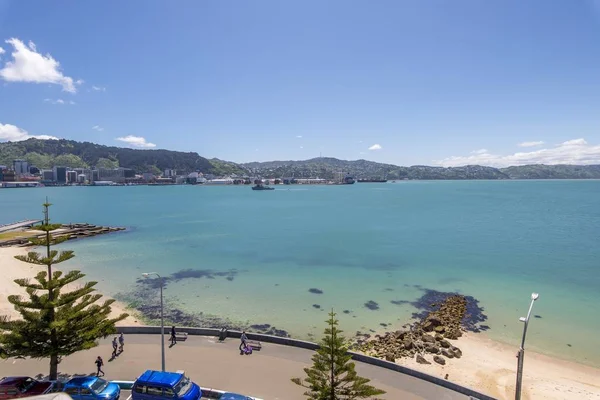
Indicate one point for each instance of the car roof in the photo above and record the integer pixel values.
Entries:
(11, 380)
(81, 381)
(159, 377)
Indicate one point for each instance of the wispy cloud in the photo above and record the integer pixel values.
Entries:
(99, 88)
(136, 141)
(299, 136)
(531, 144)
(27, 65)
(480, 151)
(375, 147)
(576, 151)
(98, 128)
(59, 101)
(2, 51)
(13, 133)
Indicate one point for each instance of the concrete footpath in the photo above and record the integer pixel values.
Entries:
(265, 373)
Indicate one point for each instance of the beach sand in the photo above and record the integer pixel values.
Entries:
(486, 365)
(490, 367)
(12, 269)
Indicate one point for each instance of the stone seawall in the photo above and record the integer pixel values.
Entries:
(129, 330)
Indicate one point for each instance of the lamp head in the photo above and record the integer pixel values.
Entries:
(522, 319)
(534, 296)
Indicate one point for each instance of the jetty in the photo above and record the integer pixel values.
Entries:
(71, 231)
(28, 223)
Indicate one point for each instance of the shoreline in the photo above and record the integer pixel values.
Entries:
(14, 269)
(486, 365)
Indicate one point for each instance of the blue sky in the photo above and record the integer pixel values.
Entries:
(428, 81)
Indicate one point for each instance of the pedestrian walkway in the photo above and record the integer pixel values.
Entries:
(21, 224)
(265, 374)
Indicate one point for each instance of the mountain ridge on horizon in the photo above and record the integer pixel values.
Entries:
(45, 153)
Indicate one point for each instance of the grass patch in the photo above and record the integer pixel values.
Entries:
(14, 235)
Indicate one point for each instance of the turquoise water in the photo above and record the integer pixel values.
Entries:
(497, 241)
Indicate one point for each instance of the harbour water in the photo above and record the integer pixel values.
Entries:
(255, 255)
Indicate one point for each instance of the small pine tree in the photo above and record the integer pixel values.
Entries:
(54, 324)
(332, 376)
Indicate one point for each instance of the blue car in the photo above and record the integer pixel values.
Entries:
(234, 396)
(92, 388)
(155, 385)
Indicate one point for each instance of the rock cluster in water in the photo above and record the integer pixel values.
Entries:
(428, 336)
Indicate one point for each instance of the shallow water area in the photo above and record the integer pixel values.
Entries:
(497, 241)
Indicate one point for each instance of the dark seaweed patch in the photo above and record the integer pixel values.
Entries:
(315, 291)
(347, 311)
(188, 274)
(399, 302)
(316, 306)
(371, 305)
(537, 316)
(387, 289)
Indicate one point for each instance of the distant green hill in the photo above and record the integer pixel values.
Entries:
(329, 168)
(47, 153)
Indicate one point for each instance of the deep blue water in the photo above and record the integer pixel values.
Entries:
(495, 240)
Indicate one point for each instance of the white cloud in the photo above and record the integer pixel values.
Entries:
(99, 88)
(99, 129)
(136, 141)
(30, 66)
(59, 101)
(576, 151)
(376, 147)
(2, 51)
(480, 151)
(301, 147)
(299, 136)
(13, 133)
(531, 144)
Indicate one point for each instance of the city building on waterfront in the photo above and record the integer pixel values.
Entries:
(21, 167)
(71, 177)
(169, 173)
(59, 175)
(48, 175)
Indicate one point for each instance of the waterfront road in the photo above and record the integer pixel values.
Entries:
(265, 373)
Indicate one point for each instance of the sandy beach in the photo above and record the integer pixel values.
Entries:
(490, 367)
(486, 365)
(14, 269)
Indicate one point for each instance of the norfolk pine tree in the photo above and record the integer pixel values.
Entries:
(54, 323)
(332, 376)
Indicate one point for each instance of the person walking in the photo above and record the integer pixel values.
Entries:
(173, 337)
(243, 340)
(121, 342)
(115, 346)
(99, 363)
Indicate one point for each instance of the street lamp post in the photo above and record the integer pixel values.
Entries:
(521, 353)
(162, 320)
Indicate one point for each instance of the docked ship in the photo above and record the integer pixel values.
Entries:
(261, 186)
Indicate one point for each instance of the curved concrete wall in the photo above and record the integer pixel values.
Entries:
(311, 346)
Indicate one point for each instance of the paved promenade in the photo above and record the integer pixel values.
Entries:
(265, 374)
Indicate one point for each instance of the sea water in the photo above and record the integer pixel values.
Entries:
(497, 241)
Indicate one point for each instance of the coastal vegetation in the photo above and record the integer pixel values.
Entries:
(55, 321)
(333, 375)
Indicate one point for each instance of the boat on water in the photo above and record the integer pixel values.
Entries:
(260, 186)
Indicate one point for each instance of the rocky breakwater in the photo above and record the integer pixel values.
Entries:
(70, 231)
(426, 339)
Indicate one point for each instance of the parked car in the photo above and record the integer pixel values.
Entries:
(234, 396)
(92, 387)
(153, 385)
(13, 387)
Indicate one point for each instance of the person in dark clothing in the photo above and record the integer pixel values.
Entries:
(173, 338)
(99, 363)
(115, 347)
(243, 340)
